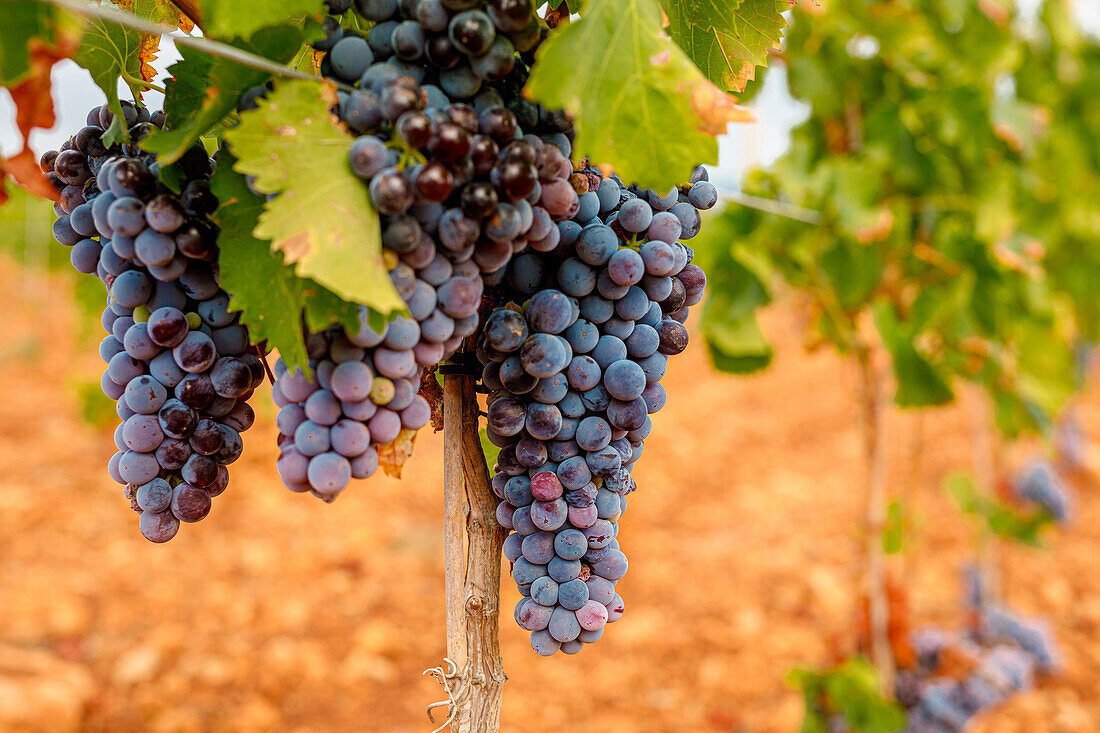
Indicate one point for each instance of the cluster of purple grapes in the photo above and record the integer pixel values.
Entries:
(460, 187)
(1039, 484)
(461, 45)
(573, 362)
(1006, 651)
(941, 704)
(177, 360)
(363, 394)
(1002, 663)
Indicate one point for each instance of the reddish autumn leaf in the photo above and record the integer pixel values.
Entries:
(23, 168)
(34, 108)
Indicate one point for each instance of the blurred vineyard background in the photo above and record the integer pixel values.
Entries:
(747, 538)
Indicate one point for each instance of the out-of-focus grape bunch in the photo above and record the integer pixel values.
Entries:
(957, 675)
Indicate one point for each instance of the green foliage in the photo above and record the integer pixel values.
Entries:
(204, 89)
(727, 40)
(490, 450)
(96, 408)
(638, 101)
(26, 222)
(225, 19)
(738, 285)
(850, 692)
(23, 21)
(322, 220)
(109, 51)
(948, 220)
(271, 298)
(999, 518)
(894, 533)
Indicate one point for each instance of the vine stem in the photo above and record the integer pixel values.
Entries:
(771, 206)
(206, 45)
(983, 445)
(472, 543)
(872, 396)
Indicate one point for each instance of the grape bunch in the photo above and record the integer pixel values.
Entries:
(941, 703)
(460, 187)
(1001, 655)
(573, 360)
(1039, 484)
(178, 361)
(363, 394)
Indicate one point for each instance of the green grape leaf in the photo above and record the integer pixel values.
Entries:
(491, 451)
(850, 691)
(224, 19)
(322, 219)
(28, 24)
(638, 102)
(736, 290)
(270, 297)
(738, 347)
(727, 41)
(263, 288)
(108, 51)
(894, 530)
(1000, 518)
(734, 339)
(158, 11)
(204, 89)
(920, 383)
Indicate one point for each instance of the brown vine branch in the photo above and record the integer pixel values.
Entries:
(472, 549)
(983, 445)
(872, 394)
(205, 45)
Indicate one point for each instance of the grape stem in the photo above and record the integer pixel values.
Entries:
(206, 45)
(263, 360)
(132, 80)
(472, 543)
(408, 155)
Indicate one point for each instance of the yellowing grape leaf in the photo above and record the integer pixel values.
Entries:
(270, 297)
(638, 102)
(322, 219)
(204, 89)
(727, 41)
(392, 455)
